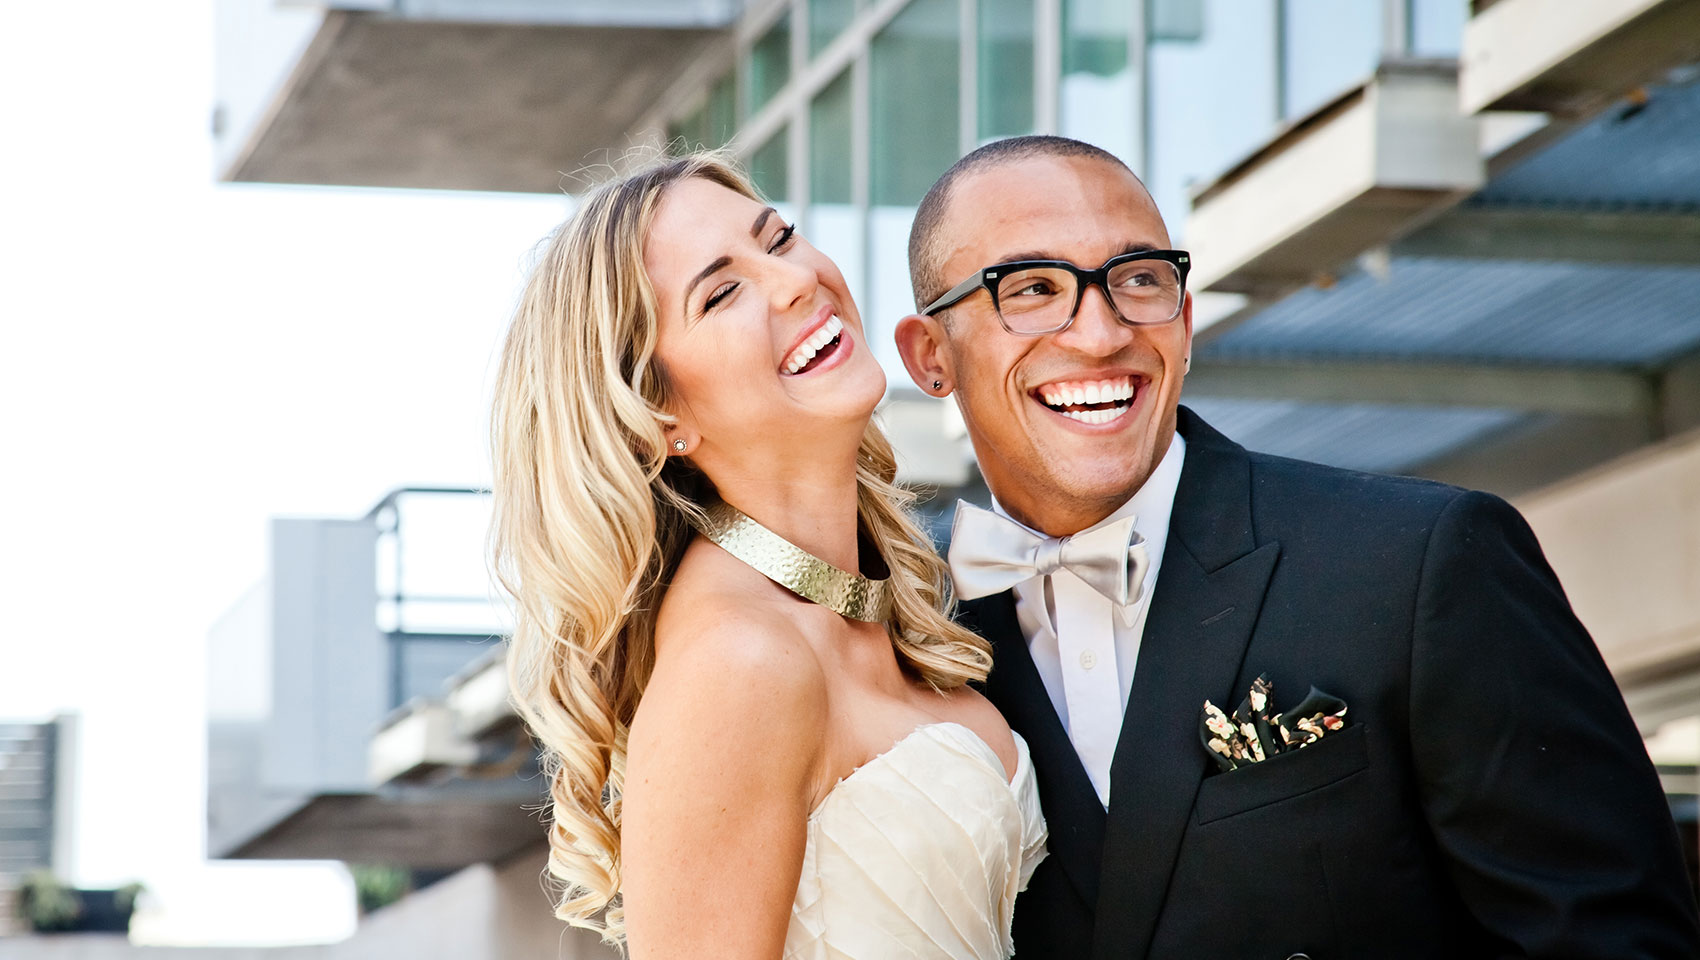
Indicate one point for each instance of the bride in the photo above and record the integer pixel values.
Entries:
(732, 639)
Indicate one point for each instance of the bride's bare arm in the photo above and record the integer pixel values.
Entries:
(721, 766)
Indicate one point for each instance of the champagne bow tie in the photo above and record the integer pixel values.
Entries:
(990, 554)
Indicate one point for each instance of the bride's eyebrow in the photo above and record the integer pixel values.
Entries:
(761, 221)
(708, 271)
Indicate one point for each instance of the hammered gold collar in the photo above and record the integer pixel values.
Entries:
(848, 594)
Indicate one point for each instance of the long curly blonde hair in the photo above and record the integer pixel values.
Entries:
(592, 516)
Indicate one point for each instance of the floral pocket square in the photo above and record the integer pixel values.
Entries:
(1252, 734)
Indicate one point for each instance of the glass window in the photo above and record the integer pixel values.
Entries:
(1225, 74)
(770, 167)
(1006, 68)
(769, 65)
(834, 224)
(913, 124)
(829, 143)
(1177, 20)
(1098, 94)
(712, 123)
(720, 114)
(827, 19)
(1328, 47)
(913, 136)
(1437, 27)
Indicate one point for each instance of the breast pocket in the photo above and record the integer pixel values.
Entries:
(1283, 776)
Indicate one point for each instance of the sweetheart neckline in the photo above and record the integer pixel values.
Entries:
(1023, 759)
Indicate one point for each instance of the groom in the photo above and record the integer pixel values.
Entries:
(1485, 792)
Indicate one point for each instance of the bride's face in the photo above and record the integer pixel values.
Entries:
(758, 336)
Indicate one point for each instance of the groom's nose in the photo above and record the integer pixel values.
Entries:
(1097, 330)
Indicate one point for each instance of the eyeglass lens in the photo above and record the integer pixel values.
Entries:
(1040, 299)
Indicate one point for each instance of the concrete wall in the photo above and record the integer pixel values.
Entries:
(1625, 540)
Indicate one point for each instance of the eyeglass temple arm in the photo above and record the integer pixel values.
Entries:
(956, 293)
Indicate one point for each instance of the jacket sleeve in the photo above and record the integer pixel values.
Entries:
(1532, 774)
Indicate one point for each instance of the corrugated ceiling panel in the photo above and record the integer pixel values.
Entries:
(1643, 156)
(1517, 312)
(1380, 439)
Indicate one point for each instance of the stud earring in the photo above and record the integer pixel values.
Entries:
(938, 384)
(1187, 364)
(679, 445)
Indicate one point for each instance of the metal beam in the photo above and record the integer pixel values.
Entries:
(1568, 390)
(1497, 233)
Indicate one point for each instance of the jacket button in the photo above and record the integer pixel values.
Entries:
(1298, 956)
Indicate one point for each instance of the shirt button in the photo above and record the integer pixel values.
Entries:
(1088, 660)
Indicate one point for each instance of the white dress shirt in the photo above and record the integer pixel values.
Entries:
(1085, 649)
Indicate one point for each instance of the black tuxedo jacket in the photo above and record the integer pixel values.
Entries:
(1490, 797)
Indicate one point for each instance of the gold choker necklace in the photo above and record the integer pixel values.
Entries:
(848, 594)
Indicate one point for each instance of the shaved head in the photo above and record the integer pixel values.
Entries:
(926, 247)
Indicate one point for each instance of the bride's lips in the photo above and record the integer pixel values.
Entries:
(820, 345)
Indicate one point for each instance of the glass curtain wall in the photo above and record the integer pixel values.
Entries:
(1211, 98)
(770, 167)
(1098, 95)
(1437, 27)
(712, 123)
(914, 119)
(1328, 47)
(1006, 33)
(834, 223)
(827, 19)
(769, 66)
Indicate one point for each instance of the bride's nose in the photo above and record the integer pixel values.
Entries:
(790, 282)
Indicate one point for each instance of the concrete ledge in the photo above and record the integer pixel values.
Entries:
(1357, 174)
(420, 742)
(1571, 56)
(393, 102)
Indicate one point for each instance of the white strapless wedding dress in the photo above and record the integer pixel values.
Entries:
(918, 854)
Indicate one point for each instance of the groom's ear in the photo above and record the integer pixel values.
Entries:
(921, 343)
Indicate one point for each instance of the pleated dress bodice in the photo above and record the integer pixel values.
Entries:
(918, 854)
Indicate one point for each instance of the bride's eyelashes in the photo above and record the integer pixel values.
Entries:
(782, 241)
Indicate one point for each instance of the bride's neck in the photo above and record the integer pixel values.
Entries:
(813, 508)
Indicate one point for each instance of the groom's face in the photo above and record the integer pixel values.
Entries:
(1056, 472)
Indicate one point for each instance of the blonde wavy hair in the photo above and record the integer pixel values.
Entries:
(592, 516)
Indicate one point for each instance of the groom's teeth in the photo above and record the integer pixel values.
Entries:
(1094, 394)
(1095, 416)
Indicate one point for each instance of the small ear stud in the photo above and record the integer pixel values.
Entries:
(1187, 364)
(679, 445)
(938, 384)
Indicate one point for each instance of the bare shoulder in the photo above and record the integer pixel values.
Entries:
(970, 708)
(732, 673)
(721, 763)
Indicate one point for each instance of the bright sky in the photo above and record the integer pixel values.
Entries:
(179, 361)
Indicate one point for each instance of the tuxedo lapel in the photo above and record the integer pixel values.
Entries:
(1073, 812)
(1208, 595)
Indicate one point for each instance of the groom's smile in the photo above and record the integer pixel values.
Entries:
(1095, 400)
(1066, 425)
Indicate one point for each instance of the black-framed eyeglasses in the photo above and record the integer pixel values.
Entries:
(1034, 297)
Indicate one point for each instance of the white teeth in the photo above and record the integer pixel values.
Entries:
(806, 350)
(1095, 416)
(1117, 392)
